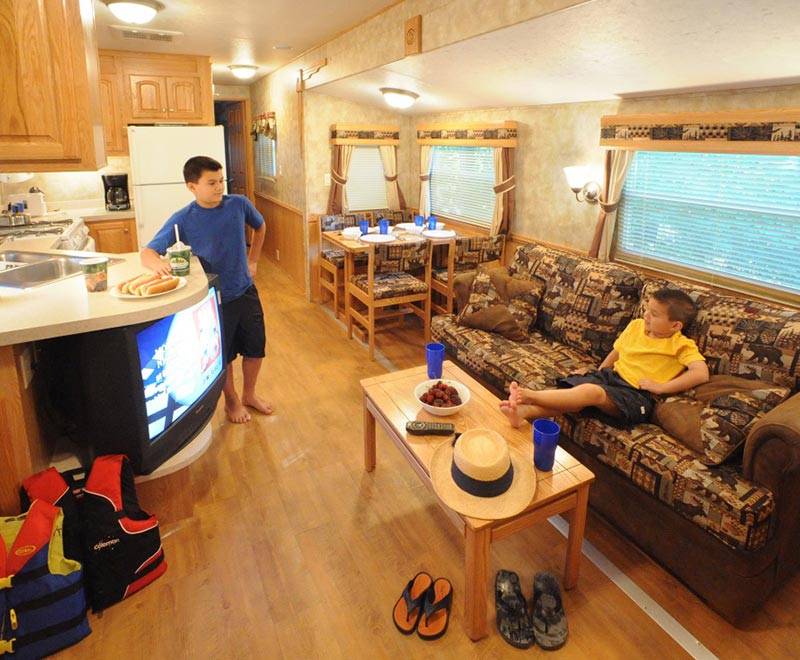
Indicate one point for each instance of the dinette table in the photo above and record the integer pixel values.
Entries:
(353, 246)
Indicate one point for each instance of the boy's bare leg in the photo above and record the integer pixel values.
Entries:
(250, 369)
(234, 408)
(524, 404)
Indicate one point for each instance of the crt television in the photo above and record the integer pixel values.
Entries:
(142, 390)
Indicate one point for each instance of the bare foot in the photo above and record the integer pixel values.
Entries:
(237, 414)
(259, 404)
(512, 412)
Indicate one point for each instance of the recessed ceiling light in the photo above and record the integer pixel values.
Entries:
(137, 12)
(243, 71)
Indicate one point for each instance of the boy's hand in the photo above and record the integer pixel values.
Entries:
(651, 386)
(252, 267)
(579, 372)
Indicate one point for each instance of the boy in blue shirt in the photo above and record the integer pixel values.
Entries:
(214, 226)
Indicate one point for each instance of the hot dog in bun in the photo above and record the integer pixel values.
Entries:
(162, 285)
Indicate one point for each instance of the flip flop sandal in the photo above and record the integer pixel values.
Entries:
(436, 610)
(549, 621)
(513, 620)
(408, 609)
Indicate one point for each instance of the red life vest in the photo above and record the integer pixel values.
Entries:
(42, 601)
(123, 545)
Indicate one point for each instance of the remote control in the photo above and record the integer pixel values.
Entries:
(417, 427)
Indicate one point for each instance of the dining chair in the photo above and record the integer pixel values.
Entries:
(465, 253)
(396, 283)
(331, 261)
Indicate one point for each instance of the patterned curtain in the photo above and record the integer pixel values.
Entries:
(617, 162)
(264, 125)
(425, 157)
(394, 196)
(340, 167)
(505, 183)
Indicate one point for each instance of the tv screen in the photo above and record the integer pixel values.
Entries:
(180, 357)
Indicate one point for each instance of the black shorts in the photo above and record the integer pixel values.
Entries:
(635, 405)
(243, 323)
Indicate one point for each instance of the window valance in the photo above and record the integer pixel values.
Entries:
(774, 131)
(263, 124)
(361, 136)
(484, 134)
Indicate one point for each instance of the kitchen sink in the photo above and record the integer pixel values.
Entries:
(24, 270)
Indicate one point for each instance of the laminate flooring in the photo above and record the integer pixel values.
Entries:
(295, 552)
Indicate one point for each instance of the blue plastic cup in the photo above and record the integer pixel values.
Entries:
(419, 221)
(363, 225)
(383, 223)
(545, 441)
(432, 222)
(434, 354)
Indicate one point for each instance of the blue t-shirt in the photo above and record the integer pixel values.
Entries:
(216, 237)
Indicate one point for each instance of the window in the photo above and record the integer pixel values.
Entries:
(462, 184)
(366, 185)
(729, 219)
(265, 157)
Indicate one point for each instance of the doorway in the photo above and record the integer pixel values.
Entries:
(234, 116)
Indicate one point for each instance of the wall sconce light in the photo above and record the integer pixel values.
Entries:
(137, 12)
(243, 71)
(586, 190)
(398, 98)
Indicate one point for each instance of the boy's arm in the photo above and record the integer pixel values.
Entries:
(696, 374)
(150, 259)
(255, 248)
(609, 361)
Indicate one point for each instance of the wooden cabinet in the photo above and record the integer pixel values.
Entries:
(51, 118)
(115, 236)
(112, 101)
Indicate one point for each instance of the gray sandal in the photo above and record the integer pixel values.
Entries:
(513, 619)
(549, 621)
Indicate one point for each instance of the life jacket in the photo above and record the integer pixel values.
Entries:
(122, 542)
(42, 600)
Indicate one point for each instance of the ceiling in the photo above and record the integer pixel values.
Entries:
(601, 49)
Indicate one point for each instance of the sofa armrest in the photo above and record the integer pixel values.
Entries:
(772, 450)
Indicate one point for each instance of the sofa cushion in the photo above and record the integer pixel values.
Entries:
(497, 303)
(586, 303)
(741, 337)
(736, 511)
(715, 418)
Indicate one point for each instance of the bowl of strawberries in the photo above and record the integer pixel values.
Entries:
(442, 396)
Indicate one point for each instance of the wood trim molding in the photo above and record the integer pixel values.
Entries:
(472, 134)
(771, 131)
(274, 200)
(362, 135)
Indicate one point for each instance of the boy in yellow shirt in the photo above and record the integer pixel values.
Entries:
(651, 356)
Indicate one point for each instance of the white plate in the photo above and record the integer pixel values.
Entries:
(351, 232)
(377, 238)
(130, 296)
(439, 233)
(408, 226)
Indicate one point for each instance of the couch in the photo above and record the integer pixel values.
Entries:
(710, 488)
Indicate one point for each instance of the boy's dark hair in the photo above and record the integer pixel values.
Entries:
(680, 307)
(193, 168)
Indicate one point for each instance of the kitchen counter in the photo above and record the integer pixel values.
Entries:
(66, 308)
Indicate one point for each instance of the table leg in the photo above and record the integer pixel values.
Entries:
(476, 578)
(575, 540)
(349, 269)
(369, 439)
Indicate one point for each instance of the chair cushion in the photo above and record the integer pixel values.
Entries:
(391, 285)
(336, 257)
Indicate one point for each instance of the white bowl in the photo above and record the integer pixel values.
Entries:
(415, 230)
(351, 232)
(439, 225)
(423, 387)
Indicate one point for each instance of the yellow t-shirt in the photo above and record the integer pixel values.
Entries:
(660, 359)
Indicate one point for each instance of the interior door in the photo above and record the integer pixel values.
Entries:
(237, 151)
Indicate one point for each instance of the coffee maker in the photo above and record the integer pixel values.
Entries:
(116, 186)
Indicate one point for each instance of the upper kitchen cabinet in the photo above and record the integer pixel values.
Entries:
(112, 101)
(166, 88)
(51, 118)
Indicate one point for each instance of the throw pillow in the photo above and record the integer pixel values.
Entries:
(715, 418)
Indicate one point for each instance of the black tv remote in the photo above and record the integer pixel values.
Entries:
(417, 427)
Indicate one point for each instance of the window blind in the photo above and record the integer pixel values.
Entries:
(366, 185)
(265, 157)
(462, 184)
(728, 219)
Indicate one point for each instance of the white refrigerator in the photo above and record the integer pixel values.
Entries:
(157, 157)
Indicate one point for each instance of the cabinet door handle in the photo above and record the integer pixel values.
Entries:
(163, 109)
(126, 230)
(172, 110)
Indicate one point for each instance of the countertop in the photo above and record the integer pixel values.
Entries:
(66, 307)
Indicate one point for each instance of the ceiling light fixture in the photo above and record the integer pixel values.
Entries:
(137, 12)
(398, 98)
(579, 180)
(243, 71)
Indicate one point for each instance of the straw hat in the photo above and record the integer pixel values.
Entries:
(480, 477)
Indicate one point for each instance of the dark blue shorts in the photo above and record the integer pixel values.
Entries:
(635, 405)
(243, 323)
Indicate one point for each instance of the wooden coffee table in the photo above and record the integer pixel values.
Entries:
(389, 400)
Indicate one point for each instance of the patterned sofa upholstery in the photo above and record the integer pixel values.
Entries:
(725, 522)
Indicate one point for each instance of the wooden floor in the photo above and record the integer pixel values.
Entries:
(295, 552)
